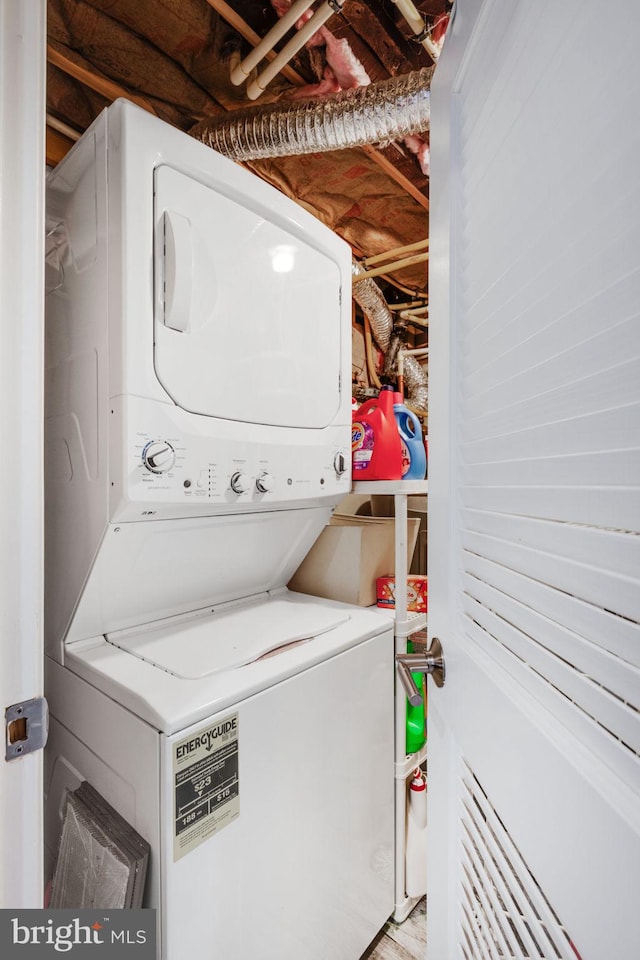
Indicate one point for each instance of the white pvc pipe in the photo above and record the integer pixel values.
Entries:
(61, 127)
(390, 267)
(242, 70)
(297, 42)
(394, 254)
(414, 18)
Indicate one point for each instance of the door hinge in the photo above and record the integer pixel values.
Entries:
(26, 727)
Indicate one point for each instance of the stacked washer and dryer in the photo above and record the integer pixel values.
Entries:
(197, 440)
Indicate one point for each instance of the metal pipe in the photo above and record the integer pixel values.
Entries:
(413, 694)
(320, 17)
(241, 71)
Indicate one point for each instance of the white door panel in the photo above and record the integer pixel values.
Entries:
(534, 742)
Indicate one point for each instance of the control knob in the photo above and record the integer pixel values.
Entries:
(265, 482)
(158, 456)
(240, 482)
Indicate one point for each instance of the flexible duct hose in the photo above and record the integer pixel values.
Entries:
(384, 111)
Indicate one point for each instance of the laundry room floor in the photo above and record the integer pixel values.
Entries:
(404, 941)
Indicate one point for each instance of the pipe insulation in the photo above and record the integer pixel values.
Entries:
(380, 112)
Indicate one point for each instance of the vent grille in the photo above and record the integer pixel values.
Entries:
(503, 912)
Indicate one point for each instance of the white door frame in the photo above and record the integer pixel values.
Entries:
(22, 167)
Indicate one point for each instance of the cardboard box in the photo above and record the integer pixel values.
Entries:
(348, 557)
(383, 506)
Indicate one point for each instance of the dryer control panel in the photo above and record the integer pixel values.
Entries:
(170, 473)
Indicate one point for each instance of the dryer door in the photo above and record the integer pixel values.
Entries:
(247, 308)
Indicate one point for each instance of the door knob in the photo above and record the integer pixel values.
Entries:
(430, 662)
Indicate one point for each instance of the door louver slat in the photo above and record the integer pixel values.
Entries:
(502, 907)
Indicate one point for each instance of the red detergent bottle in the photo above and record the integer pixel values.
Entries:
(376, 450)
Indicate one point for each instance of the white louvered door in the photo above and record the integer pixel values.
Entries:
(534, 477)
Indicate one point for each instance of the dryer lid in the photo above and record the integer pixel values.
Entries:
(230, 638)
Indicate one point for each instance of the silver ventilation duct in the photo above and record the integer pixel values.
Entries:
(415, 376)
(368, 295)
(384, 111)
(370, 299)
(417, 384)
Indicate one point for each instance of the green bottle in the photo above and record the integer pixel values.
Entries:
(416, 733)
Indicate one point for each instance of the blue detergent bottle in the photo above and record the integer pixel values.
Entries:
(414, 454)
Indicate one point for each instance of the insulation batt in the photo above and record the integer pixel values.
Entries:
(346, 67)
(328, 85)
(420, 147)
(343, 72)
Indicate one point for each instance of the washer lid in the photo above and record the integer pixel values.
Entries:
(229, 638)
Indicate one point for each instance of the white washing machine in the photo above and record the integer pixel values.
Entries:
(197, 440)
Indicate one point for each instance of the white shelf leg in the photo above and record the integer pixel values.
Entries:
(400, 703)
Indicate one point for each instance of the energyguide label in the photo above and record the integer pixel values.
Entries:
(206, 784)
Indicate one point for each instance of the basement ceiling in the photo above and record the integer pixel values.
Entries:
(173, 58)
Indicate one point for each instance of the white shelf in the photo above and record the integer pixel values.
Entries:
(404, 625)
(405, 767)
(412, 487)
(413, 623)
(403, 628)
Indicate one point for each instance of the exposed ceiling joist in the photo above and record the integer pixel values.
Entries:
(101, 85)
(235, 20)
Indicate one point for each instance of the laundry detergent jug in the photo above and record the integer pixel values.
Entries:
(376, 450)
(414, 455)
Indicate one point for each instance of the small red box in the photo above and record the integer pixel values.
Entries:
(416, 592)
